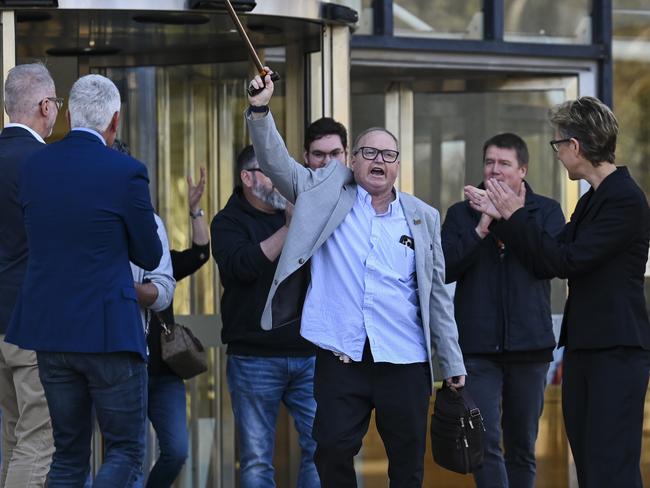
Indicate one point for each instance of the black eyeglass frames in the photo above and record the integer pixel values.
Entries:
(556, 142)
(370, 153)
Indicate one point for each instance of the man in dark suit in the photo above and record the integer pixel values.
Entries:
(87, 213)
(27, 446)
(602, 251)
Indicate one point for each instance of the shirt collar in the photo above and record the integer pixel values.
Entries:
(91, 131)
(366, 199)
(27, 128)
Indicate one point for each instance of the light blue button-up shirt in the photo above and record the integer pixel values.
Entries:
(364, 285)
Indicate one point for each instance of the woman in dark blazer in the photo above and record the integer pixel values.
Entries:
(602, 252)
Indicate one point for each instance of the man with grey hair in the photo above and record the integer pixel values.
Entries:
(27, 446)
(87, 213)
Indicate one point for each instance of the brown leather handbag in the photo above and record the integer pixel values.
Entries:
(181, 350)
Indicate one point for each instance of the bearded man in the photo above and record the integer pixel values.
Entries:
(263, 368)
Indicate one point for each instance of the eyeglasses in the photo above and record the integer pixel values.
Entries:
(370, 153)
(321, 155)
(253, 170)
(58, 101)
(554, 143)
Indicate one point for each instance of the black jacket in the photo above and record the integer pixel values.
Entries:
(16, 144)
(500, 305)
(246, 275)
(603, 252)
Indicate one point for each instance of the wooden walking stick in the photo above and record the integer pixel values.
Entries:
(251, 50)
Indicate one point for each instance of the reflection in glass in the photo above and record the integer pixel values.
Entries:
(567, 22)
(456, 19)
(367, 110)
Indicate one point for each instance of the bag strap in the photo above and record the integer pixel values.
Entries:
(167, 329)
(467, 399)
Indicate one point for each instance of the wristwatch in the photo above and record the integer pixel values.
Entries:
(199, 213)
(259, 109)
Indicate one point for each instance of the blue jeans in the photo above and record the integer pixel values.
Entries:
(115, 384)
(168, 416)
(511, 398)
(257, 386)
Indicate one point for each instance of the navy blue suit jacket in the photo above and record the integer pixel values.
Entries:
(87, 213)
(16, 144)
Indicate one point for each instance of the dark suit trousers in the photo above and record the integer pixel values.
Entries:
(603, 396)
(345, 396)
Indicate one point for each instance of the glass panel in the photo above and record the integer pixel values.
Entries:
(367, 110)
(566, 22)
(450, 129)
(456, 19)
(631, 50)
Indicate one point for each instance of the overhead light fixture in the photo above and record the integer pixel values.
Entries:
(238, 5)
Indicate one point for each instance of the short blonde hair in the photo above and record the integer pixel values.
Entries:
(592, 123)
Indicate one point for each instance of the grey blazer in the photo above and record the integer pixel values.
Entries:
(322, 200)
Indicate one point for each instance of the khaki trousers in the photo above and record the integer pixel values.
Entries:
(27, 443)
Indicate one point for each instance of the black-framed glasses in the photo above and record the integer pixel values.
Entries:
(556, 142)
(253, 170)
(370, 153)
(321, 155)
(58, 101)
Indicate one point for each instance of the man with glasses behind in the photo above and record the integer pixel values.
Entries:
(264, 368)
(27, 445)
(376, 306)
(325, 139)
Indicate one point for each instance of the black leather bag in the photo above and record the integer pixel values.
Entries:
(456, 431)
(181, 351)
